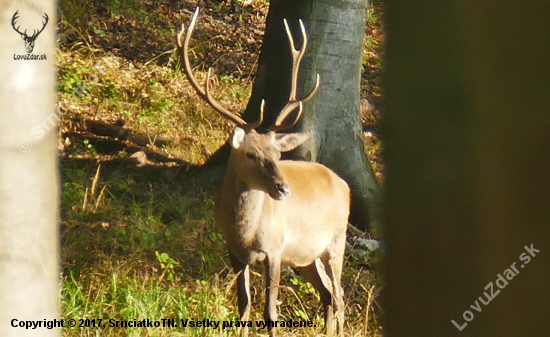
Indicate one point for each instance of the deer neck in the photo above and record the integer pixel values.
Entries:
(249, 205)
(242, 217)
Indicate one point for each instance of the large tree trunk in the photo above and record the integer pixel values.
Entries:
(335, 30)
(29, 257)
(468, 161)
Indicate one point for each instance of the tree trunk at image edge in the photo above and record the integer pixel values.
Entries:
(29, 244)
(335, 31)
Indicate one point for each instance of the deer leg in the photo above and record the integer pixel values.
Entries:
(272, 277)
(243, 289)
(334, 272)
(333, 261)
(315, 273)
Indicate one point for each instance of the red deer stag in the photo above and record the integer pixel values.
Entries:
(278, 212)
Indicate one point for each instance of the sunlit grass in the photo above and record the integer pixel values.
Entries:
(149, 249)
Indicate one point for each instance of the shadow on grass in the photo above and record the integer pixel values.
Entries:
(120, 210)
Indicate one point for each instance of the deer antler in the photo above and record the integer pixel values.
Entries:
(15, 17)
(43, 26)
(205, 94)
(292, 102)
(35, 33)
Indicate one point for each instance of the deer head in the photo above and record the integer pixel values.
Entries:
(29, 40)
(256, 154)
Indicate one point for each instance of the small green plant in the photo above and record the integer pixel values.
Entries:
(217, 6)
(89, 147)
(167, 265)
(98, 31)
(68, 81)
(372, 17)
(111, 90)
(115, 7)
(82, 148)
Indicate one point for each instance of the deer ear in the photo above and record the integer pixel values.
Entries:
(290, 141)
(237, 137)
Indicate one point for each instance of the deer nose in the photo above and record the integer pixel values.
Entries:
(283, 189)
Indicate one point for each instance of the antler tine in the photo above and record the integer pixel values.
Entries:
(292, 102)
(13, 23)
(43, 25)
(260, 120)
(296, 57)
(205, 94)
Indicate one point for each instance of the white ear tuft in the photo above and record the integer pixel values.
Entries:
(237, 138)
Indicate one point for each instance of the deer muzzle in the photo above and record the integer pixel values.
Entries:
(282, 190)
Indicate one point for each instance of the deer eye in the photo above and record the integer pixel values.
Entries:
(250, 155)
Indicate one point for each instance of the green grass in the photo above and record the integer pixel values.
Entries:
(140, 247)
(122, 296)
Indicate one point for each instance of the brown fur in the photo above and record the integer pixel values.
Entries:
(305, 229)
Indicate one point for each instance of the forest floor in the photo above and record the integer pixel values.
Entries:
(138, 239)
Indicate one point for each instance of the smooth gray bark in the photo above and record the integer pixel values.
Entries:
(335, 30)
(29, 249)
(468, 155)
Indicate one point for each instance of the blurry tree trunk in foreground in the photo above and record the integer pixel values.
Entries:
(335, 30)
(468, 162)
(29, 257)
